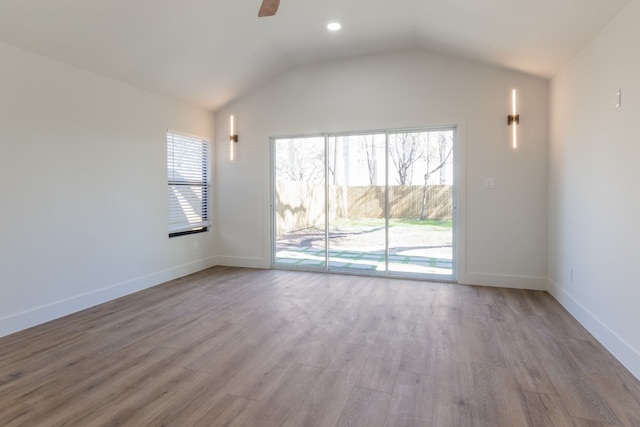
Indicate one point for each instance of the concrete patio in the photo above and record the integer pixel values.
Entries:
(418, 249)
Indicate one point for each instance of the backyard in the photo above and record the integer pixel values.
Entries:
(415, 246)
(333, 193)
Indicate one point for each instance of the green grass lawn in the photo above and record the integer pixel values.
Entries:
(379, 222)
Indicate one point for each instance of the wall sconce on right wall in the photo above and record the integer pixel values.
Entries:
(514, 119)
(233, 137)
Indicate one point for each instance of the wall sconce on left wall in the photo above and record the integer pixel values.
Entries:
(514, 119)
(233, 137)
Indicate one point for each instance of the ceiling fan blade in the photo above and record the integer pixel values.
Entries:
(269, 7)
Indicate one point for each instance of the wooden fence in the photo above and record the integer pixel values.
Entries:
(301, 205)
(407, 201)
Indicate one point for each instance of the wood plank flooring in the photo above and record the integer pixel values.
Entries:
(241, 347)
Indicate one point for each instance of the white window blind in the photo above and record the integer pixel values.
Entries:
(188, 176)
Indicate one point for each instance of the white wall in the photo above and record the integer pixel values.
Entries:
(83, 190)
(594, 225)
(504, 239)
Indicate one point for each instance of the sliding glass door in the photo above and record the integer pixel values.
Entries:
(421, 202)
(357, 200)
(379, 203)
(300, 202)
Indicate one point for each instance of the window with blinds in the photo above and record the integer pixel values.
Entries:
(188, 176)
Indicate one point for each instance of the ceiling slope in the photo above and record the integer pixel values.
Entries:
(208, 52)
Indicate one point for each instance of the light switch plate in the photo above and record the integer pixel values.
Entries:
(489, 183)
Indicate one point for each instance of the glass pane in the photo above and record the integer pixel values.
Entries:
(300, 202)
(421, 202)
(357, 236)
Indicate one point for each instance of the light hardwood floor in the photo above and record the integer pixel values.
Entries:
(239, 347)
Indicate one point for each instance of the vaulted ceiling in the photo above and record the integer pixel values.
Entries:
(208, 52)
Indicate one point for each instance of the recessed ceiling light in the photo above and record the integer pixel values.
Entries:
(333, 26)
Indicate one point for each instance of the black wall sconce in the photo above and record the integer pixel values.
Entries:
(514, 119)
(233, 137)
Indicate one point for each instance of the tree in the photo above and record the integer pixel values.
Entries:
(445, 148)
(372, 161)
(405, 150)
(437, 157)
(300, 161)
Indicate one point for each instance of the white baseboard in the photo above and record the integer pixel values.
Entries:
(504, 281)
(620, 349)
(38, 315)
(248, 262)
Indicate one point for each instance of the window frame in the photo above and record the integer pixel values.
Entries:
(198, 180)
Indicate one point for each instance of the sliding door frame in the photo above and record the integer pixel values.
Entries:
(458, 226)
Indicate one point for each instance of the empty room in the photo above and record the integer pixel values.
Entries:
(306, 213)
